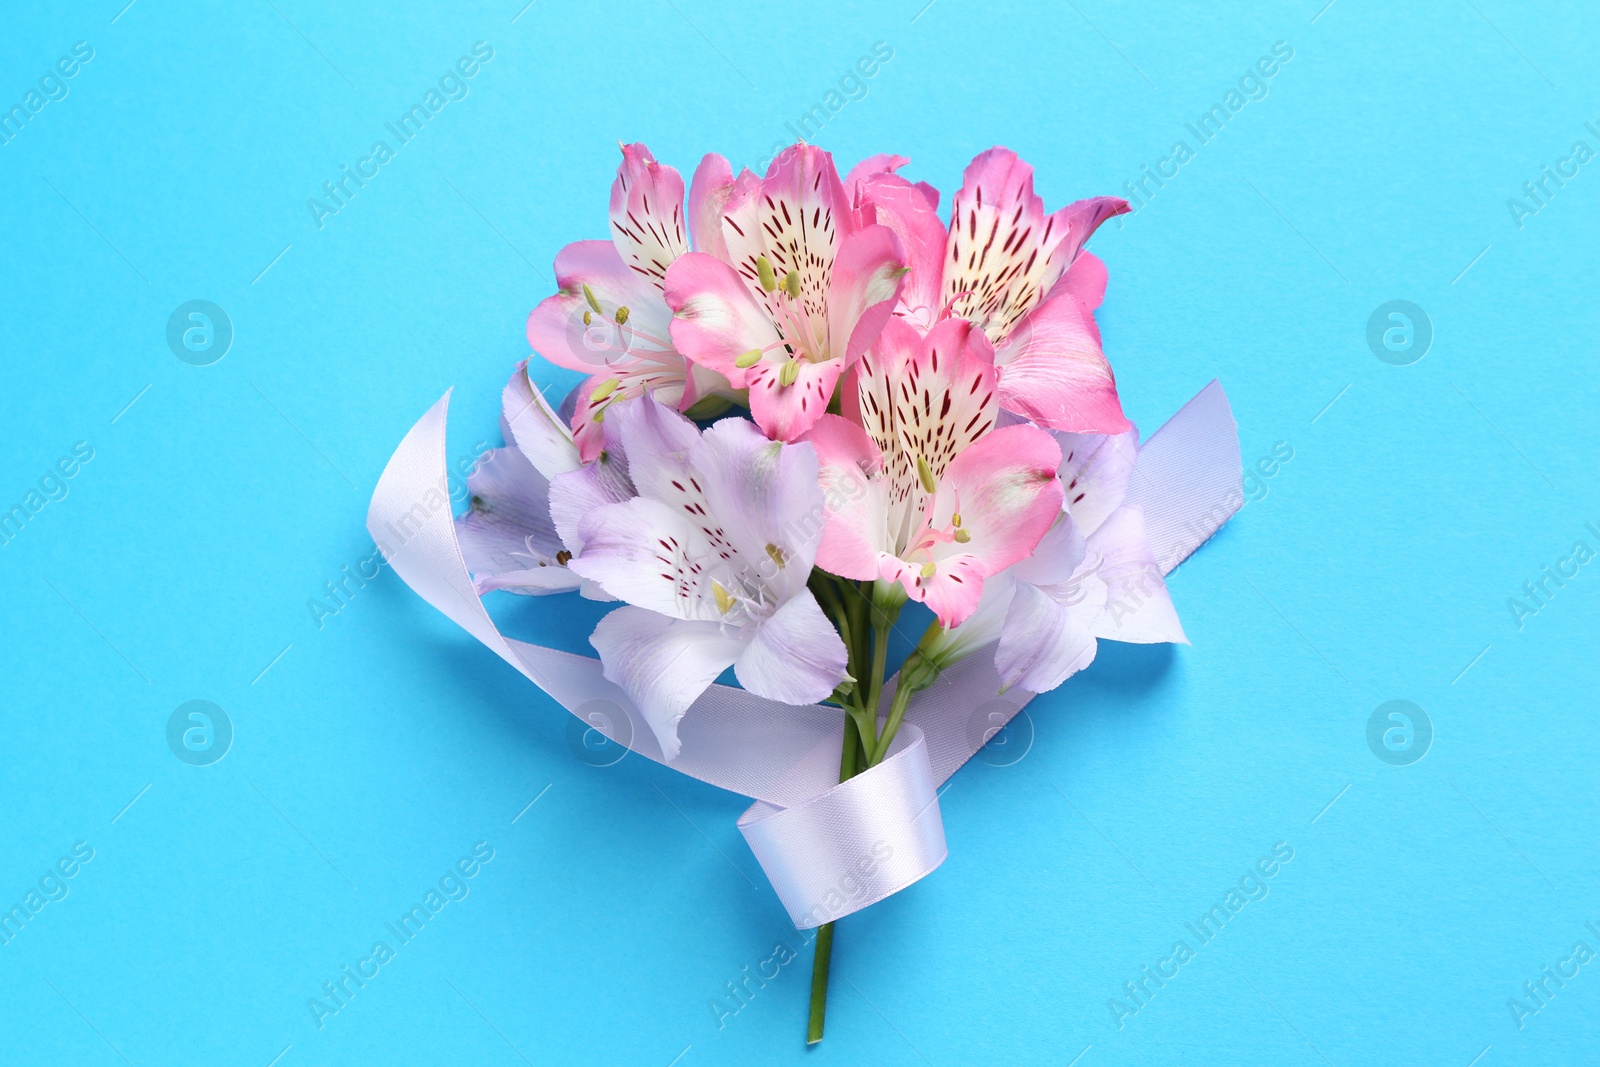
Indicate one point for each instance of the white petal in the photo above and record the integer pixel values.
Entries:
(578, 493)
(662, 664)
(532, 426)
(508, 533)
(1095, 471)
(1138, 607)
(766, 499)
(1044, 642)
(536, 581)
(1057, 556)
(796, 656)
(643, 552)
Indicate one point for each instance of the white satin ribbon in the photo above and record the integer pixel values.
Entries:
(828, 848)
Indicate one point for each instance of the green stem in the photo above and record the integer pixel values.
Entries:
(897, 713)
(880, 662)
(859, 609)
(819, 983)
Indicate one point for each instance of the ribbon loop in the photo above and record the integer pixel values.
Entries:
(856, 843)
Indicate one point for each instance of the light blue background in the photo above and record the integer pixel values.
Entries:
(380, 747)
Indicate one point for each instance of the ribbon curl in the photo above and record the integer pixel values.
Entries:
(829, 848)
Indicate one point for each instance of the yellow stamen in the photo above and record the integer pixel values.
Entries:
(955, 520)
(929, 569)
(724, 601)
(605, 389)
(588, 318)
(790, 371)
(777, 555)
(791, 284)
(769, 281)
(963, 536)
(622, 315)
(588, 295)
(925, 473)
(748, 359)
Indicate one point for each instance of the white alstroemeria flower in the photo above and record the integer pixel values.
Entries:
(1093, 576)
(507, 537)
(711, 556)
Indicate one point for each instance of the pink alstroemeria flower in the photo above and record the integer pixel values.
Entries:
(711, 556)
(802, 290)
(930, 494)
(1016, 272)
(609, 319)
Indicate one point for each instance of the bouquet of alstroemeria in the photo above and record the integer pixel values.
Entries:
(809, 401)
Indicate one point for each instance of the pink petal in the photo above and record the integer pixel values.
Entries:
(796, 656)
(716, 319)
(786, 412)
(663, 664)
(557, 331)
(864, 286)
(1082, 218)
(708, 197)
(741, 218)
(1085, 280)
(945, 396)
(665, 384)
(796, 218)
(872, 405)
(872, 166)
(1006, 490)
(850, 470)
(647, 214)
(1003, 249)
(999, 243)
(952, 592)
(1053, 372)
(907, 210)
